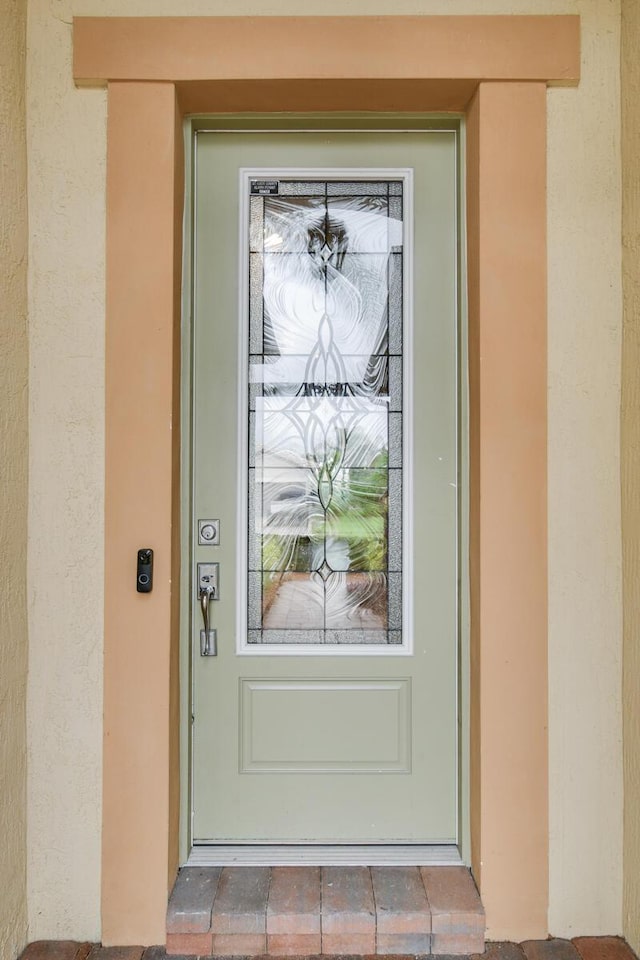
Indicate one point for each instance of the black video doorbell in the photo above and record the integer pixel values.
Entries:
(144, 582)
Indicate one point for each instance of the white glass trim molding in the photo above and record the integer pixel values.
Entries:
(275, 175)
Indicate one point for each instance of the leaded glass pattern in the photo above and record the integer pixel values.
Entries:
(325, 413)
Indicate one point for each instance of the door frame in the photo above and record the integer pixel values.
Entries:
(495, 69)
(302, 123)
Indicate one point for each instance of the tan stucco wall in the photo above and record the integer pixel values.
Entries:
(66, 151)
(13, 480)
(630, 423)
(67, 144)
(584, 504)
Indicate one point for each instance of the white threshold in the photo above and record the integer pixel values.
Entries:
(324, 855)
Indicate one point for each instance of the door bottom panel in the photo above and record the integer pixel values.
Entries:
(371, 855)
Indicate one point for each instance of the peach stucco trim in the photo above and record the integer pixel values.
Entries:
(197, 48)
(507, 282)
(507, 317)
(141, 763)
(314, 96)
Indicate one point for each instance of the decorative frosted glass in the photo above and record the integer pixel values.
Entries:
(325, 422)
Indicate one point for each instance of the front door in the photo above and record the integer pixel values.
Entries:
(324, 450)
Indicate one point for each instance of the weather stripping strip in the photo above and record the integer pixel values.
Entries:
(372, 855)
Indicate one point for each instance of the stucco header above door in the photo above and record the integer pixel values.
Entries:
(454, 53)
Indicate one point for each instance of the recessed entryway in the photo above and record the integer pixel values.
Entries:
(158, 69)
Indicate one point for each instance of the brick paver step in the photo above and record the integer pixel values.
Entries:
(293, 911)
(457, 915)
(403, 918)
(348, 911)
(191, 901)
(239, 915)
(330, 911)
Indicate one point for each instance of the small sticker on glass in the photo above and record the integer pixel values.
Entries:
(264, 188)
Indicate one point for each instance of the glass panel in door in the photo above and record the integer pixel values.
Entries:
(325, 316)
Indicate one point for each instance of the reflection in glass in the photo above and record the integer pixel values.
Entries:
(325, 395)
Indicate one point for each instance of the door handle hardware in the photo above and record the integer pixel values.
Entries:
(206, 595)
(207, 591)
(208, 638)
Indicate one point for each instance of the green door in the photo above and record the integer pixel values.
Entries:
(324, 447)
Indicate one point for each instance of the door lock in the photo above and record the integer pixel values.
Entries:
(208, 576)
(208, 533)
